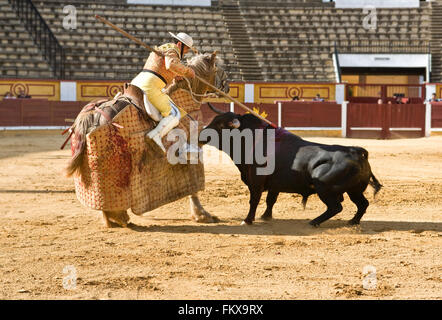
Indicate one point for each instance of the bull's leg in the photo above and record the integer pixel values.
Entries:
(333, 208)
(362, 204)
(119, 218)
(270, 200)
(255, 196)
(198, 213)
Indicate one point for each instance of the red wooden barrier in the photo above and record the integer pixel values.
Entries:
(208, 114)
(293, 114)
(412, 100)
(270, 109)
(385, 120)
(65, 110)
(436, 115)
(37, 112)
(310, 114)
(363, 120)
(10, 112)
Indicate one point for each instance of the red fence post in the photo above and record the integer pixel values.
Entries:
(384, 93)
(21, 113)
(51, 110)
(387, 121)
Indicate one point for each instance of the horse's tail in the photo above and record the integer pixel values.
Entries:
(80, 127)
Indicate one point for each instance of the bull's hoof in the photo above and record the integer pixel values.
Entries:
(314, 223)
(246, 223)
(266, 218)
(354, 222)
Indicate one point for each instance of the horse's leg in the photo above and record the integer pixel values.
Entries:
(106, 220)
(112, 218)
(198, 213)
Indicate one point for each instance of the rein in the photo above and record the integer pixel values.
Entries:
(193, 95)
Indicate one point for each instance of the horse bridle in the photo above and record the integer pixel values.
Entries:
(211, 94)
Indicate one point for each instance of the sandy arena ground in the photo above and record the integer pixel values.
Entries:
(166, 256)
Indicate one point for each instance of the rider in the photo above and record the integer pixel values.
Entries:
(158, 72)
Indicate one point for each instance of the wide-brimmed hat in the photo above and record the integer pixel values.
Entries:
(184, 38)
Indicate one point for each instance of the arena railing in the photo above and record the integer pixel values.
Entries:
(384, 46)
(43, 37)
(370, 93)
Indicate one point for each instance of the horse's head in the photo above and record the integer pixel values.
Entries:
(207, 66)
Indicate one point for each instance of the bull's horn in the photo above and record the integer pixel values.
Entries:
(216, 110)
(236, 124)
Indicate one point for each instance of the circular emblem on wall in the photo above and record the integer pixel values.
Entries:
(17, 87)
(293, 92)
(114, 89)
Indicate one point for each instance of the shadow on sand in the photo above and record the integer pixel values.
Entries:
(36, 191)
(22, 143)
(294, 227)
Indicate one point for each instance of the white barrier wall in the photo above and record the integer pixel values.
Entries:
(344, 119)
(340, 93)
(249, 92)
(429, 90)
(68, 91)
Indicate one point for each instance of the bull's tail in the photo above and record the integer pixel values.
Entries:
(373, 181)
(80, 127)
(375, 184)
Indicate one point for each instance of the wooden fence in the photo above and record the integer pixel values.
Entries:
(356, 120)
(37, 112)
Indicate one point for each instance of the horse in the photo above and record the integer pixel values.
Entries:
(188, 94)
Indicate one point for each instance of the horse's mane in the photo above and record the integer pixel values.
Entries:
(200, 63)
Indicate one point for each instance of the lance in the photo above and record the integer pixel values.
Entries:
(141, 43)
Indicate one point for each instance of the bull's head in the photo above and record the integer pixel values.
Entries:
(237, 136)
(224, 120)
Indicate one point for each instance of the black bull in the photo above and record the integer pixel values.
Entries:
(301, 167)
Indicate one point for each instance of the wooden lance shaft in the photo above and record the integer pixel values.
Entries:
(127, 35)
(236, 101)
